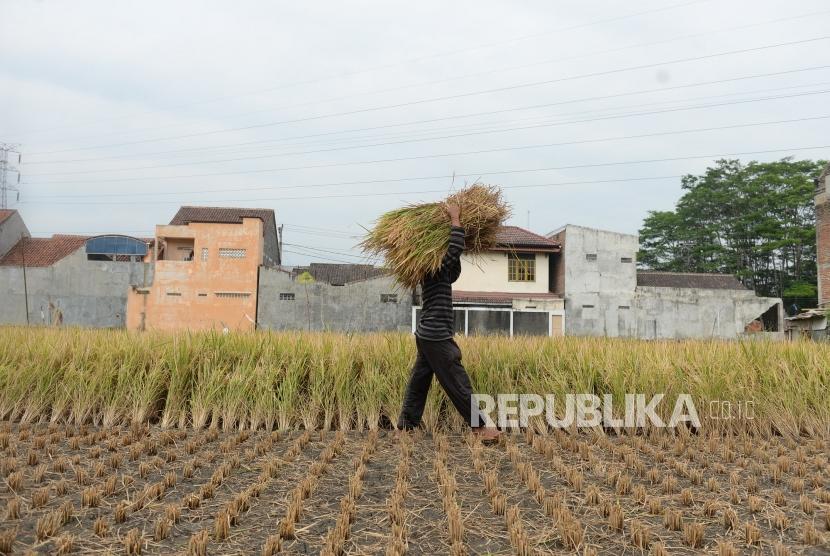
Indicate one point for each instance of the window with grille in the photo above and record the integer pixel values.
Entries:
(626, 260)
(235, 295)
(388, 298)
(521, 267)
(174, 294)
(286, 297)
(590, 256)
(229, 253)
(204, 253)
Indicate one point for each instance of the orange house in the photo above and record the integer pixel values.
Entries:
(206, 270)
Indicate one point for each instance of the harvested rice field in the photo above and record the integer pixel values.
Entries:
(281, 443)
(141, 489)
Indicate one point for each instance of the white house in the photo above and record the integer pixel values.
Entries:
(507, 290)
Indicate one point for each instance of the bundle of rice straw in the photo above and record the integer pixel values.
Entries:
(413, 239)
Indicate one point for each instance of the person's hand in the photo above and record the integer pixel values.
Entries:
(455, 213)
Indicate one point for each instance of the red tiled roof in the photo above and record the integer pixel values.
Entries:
(498, 297)
(5, 213)
(511, 237)
(42, 251)
(221, 215)
(688, 280)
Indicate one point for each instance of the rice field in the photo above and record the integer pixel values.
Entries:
(146, 490)
(281, 381)
(114, 443)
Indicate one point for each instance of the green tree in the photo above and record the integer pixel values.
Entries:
(754, 220)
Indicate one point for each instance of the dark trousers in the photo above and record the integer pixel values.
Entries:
(441, 358)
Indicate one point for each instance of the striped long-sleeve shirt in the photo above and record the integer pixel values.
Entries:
(436, 321)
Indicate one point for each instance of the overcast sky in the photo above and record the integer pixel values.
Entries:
(333, 112)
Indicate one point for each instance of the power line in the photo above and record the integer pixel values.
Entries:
(435, 55)
(447, 97)
(373, 193)
(340, 253)
(468, 115)
(443, 176)
(442, 137)
(465, 153)
(492, 71)
(325, 258)
(501, 111)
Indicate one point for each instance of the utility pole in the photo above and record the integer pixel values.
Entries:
(25, 283)
(8, 153)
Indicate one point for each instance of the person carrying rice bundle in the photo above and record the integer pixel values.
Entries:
(425, 241)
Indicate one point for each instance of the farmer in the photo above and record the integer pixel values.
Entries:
(438, 354)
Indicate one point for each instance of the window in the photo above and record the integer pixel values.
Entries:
(388, 298)
(115, 248)
(174, 294)
(626, 260)
(624, 307)
(587, 306)
(521, 267)
(590, 256)
(234, 295)
(286, 297)
(228, 253)
(204, 254)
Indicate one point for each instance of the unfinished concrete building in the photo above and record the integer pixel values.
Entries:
(605, 294)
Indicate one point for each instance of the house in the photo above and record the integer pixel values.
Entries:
(506, 290)
(66, 279)
(605, 294)
(220, 268)
(206, 270)
(810, 324)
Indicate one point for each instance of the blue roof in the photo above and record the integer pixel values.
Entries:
(116, 245)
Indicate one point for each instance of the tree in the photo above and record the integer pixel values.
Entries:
(754, 220)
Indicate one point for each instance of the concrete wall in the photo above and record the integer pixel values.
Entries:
(698, 313)
(488, 273)
(12, 230)
(353, 307)
(87, 293)
(598, 293)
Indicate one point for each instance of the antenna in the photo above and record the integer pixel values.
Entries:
(8, 150)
